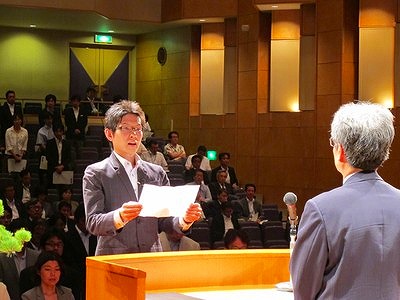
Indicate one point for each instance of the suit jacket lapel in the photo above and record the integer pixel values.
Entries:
(120, 170)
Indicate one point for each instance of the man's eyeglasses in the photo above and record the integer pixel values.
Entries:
(130, 130)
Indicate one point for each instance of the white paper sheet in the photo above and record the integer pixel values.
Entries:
(165, 201)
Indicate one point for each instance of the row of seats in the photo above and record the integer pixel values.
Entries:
(270, 234)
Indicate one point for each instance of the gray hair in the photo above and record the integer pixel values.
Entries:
(365, 130)
(115, 113)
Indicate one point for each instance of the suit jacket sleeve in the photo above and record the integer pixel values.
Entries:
(310, 255)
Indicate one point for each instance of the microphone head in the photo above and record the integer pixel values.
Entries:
(290, 198)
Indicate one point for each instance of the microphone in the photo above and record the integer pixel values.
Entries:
(290, 200)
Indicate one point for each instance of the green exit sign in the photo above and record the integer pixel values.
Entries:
(101, 38)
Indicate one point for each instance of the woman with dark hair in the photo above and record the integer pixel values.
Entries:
(49, 268)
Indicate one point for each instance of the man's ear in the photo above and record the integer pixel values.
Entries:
(342, 157)
(109, 134)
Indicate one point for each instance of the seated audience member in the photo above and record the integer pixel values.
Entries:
(48, 207)
(204, 194)
(224, 158)
(24, 189)
(57, 221)
(16, 138)
(49, 268)
(37, 228)
(174, 151)
(222, 222)
(66, 195)
(221, 184)
(12, 266)
(171, 240)
(249, 208)
(236, 239)
(50, 108)
(76, 121)
(80, 243)
(58, 154)
(204, 161)
(65, 210)
(6, 218)
(213, 207)
(154, 156)
(34, 209)
(15, 204)
(53, 240)
(189, 174)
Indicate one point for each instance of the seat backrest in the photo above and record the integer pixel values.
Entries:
(271, 214)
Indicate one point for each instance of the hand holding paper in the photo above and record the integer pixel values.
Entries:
(130, 210)
(193, 213)
(165, 201)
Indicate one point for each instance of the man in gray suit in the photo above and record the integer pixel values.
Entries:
(349, 238)
(112, 187)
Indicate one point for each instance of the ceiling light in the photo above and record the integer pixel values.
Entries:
(111, 31)
(274, 6)
(32, 26)
(202, 20)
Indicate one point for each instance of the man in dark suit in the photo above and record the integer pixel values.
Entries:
(24, 189)
(111, 189)
(58, 154)
(221, 184)
(15, 204)
(349, 239)
(249, 208)
(76, 121)
(222, 222)
(80, 243)
(231, 178)
(7, 112)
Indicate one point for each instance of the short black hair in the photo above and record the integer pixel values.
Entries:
(249, 185)
(171, 133)
(49, 97)
(222, 154)
(232, 234)
(9, 92)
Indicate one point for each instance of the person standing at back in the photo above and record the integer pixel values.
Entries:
(7, 112)
(50, 108)
(76, 121)
(349, 238)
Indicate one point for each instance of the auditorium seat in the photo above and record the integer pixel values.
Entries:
(219, 245)
(32, 108)
(252, 229)
(274, 236)
(200, 232)
(271, 214)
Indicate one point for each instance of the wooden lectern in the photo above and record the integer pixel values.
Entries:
(131, 276)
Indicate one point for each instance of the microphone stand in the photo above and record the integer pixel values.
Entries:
(288, 286)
